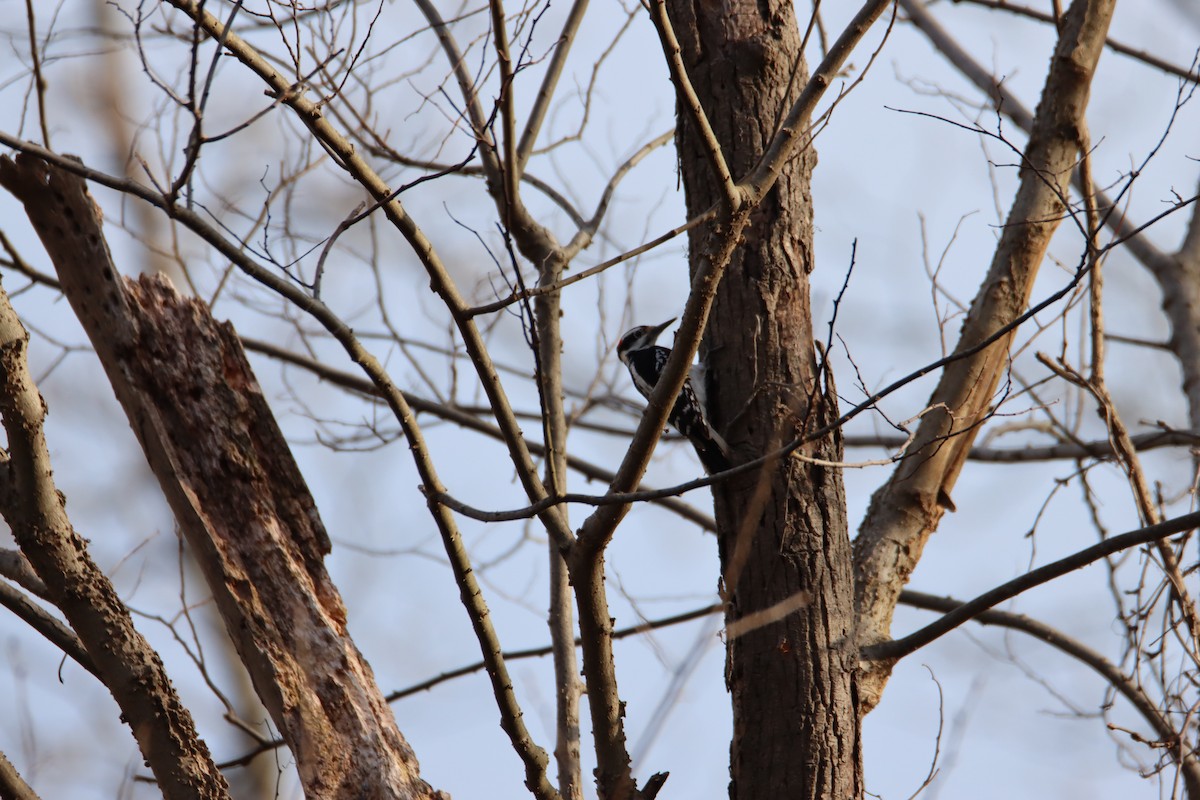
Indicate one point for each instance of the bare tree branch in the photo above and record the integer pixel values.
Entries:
(1176, 276)
(1117, 47)
(237, 493)
(1118, 680)
(12, 785)
(512, 655)
(470, 422)
(309, 113)
(47, 625)
(15, 566)
(905, 511)
(792, 130)
(685, 96)
(541, 104)
(896, 649)
(1100, 448)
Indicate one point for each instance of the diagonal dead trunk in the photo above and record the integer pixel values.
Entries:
(238, 496)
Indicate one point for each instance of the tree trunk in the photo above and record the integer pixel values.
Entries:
(785, 552)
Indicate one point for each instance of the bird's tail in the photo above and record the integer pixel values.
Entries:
(713, 451)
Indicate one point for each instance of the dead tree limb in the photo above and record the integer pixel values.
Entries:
(235, 489)
(36, 513)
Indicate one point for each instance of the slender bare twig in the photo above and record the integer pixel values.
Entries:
(685, 96)
(545, 650)
(459, 417)
(509, 655)
(1100, 448)
(508, 121)
(794, 126)
(466, 86)
(1126, 455)
(39, 81)
(517, 296)
(537, 114)
(311, 115)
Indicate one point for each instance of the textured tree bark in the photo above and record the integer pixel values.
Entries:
(785, 551)
(238, 496)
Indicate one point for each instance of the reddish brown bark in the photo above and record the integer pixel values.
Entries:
(783, 535)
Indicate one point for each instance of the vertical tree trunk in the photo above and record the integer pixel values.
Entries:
(785, 551)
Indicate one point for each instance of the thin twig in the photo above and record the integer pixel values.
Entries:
(39, 81)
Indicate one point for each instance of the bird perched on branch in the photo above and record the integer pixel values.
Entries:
(646, 359)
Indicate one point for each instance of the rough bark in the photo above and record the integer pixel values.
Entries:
(36, 513)
(906, 510)
(237, 494)
(783, 538)
(12, 785)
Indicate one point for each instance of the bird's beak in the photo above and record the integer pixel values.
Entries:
(660, 328)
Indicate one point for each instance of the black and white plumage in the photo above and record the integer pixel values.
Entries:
(639, 351)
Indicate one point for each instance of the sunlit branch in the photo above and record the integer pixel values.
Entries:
(685, 96)
(791, 132)
(12, 785)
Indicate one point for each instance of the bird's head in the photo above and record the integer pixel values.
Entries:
(639, 338)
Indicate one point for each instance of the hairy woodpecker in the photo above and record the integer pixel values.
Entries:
(646, 359)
